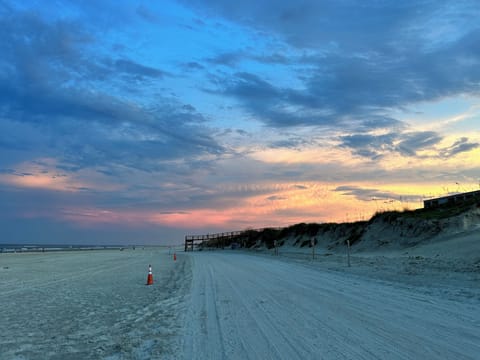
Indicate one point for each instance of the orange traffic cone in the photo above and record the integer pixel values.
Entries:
(174, 257)
(150, 276)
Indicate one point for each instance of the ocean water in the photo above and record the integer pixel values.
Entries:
(9, 248)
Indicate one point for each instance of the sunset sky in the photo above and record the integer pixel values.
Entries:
(142, 121)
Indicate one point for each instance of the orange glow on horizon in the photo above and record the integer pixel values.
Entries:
(45, 176)
(274, 204)
(290, 204)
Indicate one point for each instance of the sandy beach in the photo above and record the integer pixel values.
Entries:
(448, 264)
(91, 304)
(396, 303)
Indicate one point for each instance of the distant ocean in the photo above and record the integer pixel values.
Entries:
(13, 248)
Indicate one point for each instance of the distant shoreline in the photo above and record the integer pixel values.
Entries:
(22, 248)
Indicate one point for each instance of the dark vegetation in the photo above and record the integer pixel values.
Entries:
(411, 221)
(437, 213)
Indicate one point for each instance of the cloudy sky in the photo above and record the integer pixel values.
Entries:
(142, 121)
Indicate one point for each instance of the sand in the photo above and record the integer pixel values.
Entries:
(95, 304)
(91, 304)
(448, 265)
(267, 307)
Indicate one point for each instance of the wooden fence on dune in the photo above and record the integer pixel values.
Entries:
(219, 239)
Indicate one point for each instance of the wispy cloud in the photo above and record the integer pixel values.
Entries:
(137, 70)
(372, 194)
(221, 115)
(383, 65)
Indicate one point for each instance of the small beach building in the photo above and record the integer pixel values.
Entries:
(451, 199)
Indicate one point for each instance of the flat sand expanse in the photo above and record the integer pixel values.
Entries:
(392, 303)
(268, 307)
(91, 304)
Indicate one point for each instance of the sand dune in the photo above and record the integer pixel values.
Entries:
(421, 299)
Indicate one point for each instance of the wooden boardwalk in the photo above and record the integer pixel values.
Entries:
(219, 239)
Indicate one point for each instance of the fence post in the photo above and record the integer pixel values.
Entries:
(348, 252)
(312, 241)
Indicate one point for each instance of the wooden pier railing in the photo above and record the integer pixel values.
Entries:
(220, 239)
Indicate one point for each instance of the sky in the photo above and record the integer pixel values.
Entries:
(140, 122)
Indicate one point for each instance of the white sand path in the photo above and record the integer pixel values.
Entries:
(255, 307)
(222, 305)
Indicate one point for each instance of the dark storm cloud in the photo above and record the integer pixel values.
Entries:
(362, 88)
(394, 78)
(147, 15)
(252, 88)
(230, 59)
(133, 68)
(284, 107)
(290, 143)
(274, 58)
(349, 24)
(192, 65)
(367, 145)
(461, 145)
(276, 198)
(300, 187)
(407, 144)
(46, 72)
(272, 104)
(364, 60)
(412, 142)
(138, 138)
